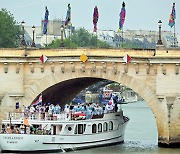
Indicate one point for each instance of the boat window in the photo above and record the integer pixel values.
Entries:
(99, 127)
(80, 129)
(110, 125)
(105, 126)
(94, 128)
(69, 128)
(54, 130)
(60, 128)
(75, 131)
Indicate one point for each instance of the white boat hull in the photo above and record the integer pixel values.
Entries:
(61, 142)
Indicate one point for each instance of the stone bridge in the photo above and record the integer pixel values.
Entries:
(153, 74)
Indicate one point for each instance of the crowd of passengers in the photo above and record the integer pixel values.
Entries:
(23, 129)
(88, 110)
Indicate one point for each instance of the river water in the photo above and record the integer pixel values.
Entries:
(140, 136)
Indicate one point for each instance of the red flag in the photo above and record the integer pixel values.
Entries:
(127, 58)
(43, 58)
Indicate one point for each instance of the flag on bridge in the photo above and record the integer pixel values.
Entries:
(95, 18)
(172, 16)
(83, 58)
(127, 58)
(68, 16)
(122, 17)
(43, 58)
(45, 21)
(38, 101)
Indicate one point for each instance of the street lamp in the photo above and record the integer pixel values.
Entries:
(33, 43)
(23, 42)
(159, 41)
(62, 41)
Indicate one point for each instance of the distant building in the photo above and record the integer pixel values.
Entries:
(169, 39)
(109, 36)
(53, 32)
(138, 38)
(141, 38)
(178, 40)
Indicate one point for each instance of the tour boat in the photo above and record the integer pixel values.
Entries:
(62, 132)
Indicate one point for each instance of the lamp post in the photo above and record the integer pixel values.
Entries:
(23, 42)
(33, 43)
(159, 41)
(62, 41)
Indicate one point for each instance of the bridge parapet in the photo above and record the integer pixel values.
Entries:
(32, 54)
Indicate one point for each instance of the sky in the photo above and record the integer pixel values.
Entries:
(140, 14)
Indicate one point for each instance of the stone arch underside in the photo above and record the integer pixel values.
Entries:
(61, 84)
(64, 92)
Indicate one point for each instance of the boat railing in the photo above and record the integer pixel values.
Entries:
(63, 116)
(38, 116)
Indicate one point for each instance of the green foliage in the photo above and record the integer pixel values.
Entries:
(84, 39)
(57, 44)
(80, 38)
(9, 30)
(102, 44)
(114, 86)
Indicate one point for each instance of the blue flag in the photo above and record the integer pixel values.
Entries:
(45, 21)
(68, 16)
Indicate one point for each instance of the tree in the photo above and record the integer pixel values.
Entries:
(102, 44)
(84, 39)
(9, 30)
(57, 43)
(80, 38)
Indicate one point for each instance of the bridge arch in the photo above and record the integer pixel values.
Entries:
(139, 86)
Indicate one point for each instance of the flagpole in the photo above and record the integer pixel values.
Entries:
(69, 36)
(96, 38)
(119, 39)
(122, 38)
(46, 39)
(174, 36)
